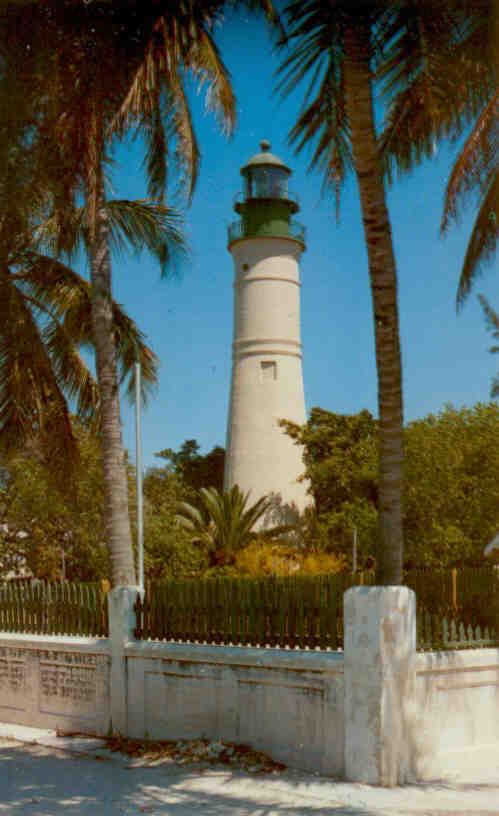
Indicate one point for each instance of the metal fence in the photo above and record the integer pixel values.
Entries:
(293, 229)
(301, 611)
(53, 609)
(456, 609)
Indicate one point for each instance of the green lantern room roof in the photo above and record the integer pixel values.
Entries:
(265, 159)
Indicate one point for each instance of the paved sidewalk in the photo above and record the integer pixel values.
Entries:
(43, 775)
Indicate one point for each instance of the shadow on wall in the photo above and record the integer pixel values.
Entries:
(280, 514)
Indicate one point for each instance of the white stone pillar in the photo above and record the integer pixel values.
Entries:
(121, 601)
(379, 654)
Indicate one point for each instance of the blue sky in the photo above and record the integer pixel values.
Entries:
(188, 321)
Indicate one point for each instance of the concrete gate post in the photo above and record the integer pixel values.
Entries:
(379, 654)
(121, 601)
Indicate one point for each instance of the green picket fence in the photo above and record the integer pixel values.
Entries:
(437, 633)
(456, 608)
(53, 609)
(295, 612)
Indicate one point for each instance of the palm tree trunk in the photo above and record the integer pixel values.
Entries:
(119, 537)
(383, 277)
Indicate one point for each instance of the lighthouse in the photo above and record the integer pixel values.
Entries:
(266, 244)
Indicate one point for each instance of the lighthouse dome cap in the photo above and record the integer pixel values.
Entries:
(265, 158)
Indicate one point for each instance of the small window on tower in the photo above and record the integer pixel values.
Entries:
(268, 370)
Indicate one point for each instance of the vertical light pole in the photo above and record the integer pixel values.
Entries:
(138, 476)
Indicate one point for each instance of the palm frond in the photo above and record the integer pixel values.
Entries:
(492, 323)
(31, 401)
(205, 62)
(314, 38)
(434, 77)
(73, 375)
(67, 296)
(476, 162)
(156, 137)
(483, 241)
(61, 234)
(131, 348)
(143, 225)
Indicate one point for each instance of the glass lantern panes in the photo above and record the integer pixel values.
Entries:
(266, 182)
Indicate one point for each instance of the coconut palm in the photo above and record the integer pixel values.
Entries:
(450, 88)
(46, 311)
(45, 322)
(334, 46)
(225, 521)
(99, 71)
(342, 48)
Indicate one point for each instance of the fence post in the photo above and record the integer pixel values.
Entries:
(121, 601)
(379, 652)
(454, 589)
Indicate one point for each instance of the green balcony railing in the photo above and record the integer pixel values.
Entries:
(293, 229)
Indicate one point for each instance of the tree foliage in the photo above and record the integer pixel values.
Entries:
(451, 495)
(43, 529)
(168, 550)
(451, 502)
(193, 468)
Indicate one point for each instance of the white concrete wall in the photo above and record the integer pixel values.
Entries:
(260, 457)
(456, 706)
(286, 703)
(55, 682)
(381, 713)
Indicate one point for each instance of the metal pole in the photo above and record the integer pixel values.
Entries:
(138, 475)
(354, 550)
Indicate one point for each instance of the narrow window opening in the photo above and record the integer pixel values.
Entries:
(268, 370)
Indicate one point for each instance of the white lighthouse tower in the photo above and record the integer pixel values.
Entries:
(267, 380)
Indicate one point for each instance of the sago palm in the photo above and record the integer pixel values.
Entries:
(102, 69)
(447, 89)
(225, 522)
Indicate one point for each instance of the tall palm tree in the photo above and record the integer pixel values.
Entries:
(449, 89)
(106, 68)
(335, 46)
(45, 313)
(45, 320)
(345, 48)
(225, 522)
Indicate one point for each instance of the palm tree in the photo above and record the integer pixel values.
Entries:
(106, 68)
(451, 88)
(225, 523)
(45, 319)
(336, 45)
(45, 314)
